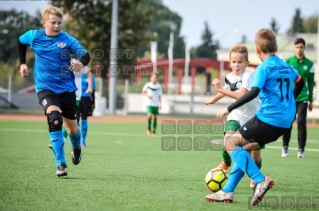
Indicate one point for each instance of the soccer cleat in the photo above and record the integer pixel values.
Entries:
(148, 132)
(260, 190)
(76, 156)
(301, 153)
(153, 133)
(61, 170)
(83, 144)
(252, 184)
(223, 166)
(220, 196)
(284, 152)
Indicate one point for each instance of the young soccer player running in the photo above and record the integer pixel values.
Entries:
(54, 80)
(273, 82)
(237, 83)
(86, 106)
(153, 92)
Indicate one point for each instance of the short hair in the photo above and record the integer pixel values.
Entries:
(51, 10)
(239, 49)
(300, 40)
(265, 39)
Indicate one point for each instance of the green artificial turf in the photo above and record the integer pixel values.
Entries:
(124, 169)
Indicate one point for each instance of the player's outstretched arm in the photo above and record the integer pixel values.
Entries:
(234, 95)
(215, 99)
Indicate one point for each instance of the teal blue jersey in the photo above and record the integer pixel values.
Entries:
(52, 60)
(275, 78)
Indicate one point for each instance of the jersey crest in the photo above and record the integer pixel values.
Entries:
(233, 86)
(61, 44)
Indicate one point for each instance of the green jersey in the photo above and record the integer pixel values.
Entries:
(306, 70)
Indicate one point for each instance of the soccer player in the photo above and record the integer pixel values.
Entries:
(273, 82)
(153, 92)
(306, 69)
(237, 83)
(54, 80)
(78, 92)
(86, 106)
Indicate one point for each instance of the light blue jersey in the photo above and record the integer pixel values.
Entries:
(85, 85)
(275, 78)
(52, 60)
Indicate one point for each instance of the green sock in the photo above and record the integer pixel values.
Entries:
(259, 164)
(154, 124)
(149, 123)
(226, 157)
(65, 133)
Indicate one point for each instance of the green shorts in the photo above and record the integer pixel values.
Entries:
(152, 110)
(234, 126)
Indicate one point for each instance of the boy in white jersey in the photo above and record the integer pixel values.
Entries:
(78, 84)
(237, 83)
(152, 92)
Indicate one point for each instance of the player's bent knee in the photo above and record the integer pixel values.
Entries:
(55, 121)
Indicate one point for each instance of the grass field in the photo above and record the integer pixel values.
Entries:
(123, 169)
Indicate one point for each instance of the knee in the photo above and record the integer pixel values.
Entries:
(54, 120)
(73, 130)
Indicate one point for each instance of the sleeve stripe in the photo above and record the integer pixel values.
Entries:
(298, 79)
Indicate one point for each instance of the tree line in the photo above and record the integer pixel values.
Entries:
(140, 21)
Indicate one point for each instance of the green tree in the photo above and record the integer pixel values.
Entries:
(208, 48)
(297, 23)
(163, 22)
(274, 25)
(90, 22)
(311, 24)
(14, 23)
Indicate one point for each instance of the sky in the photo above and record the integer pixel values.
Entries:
(224, 17)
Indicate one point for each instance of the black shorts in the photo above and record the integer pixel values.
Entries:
(66, 101)
(85, 107)
(257, 131)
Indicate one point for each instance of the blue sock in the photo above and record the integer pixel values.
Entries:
(76, 140)
(233, 179)
(57, 143)
(84, 129)
(244, 161)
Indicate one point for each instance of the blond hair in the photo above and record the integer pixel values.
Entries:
(265, 39)
(51, 10)
(239, 49)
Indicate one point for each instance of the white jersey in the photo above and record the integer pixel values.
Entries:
(247, 111)
(78, 79)
(153, 90)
